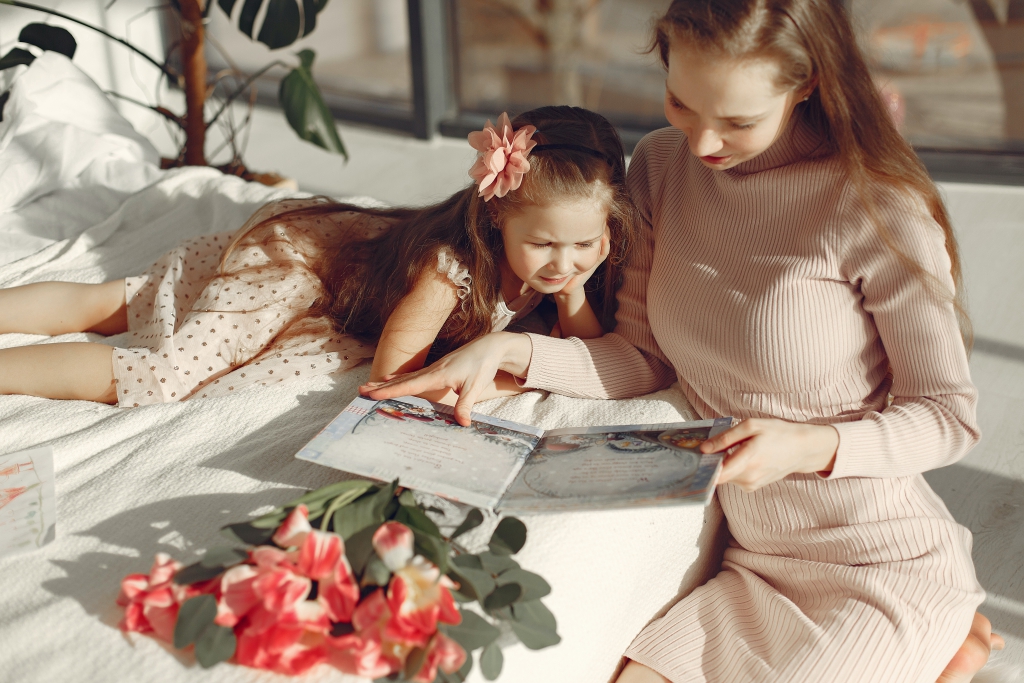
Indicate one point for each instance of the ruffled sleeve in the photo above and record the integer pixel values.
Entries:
(454, 271)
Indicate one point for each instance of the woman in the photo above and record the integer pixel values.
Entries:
(799, 270)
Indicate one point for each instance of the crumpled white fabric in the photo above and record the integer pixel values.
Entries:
(68, 159)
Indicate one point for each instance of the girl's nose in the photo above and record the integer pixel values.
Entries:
(562, 261)
(705, 142)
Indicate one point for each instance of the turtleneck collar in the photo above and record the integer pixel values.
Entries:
(797, 142)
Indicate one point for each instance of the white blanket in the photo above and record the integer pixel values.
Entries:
(134, 482)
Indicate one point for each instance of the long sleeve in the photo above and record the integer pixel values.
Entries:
(931, 420)
(628, 361)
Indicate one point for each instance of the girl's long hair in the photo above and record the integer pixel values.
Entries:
(814, 45)
(363, 280)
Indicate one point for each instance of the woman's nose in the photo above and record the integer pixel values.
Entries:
(705, 142)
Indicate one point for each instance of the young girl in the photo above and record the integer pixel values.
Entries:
(799, 272)
(310, 286)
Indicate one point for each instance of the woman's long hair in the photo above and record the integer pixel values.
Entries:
(813, 43)
(363, 280)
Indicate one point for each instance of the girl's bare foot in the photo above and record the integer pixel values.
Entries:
(973, 654)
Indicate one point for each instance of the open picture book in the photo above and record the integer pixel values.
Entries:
(508, 466)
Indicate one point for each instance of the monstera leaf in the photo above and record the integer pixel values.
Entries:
(285, 21)
(305, 109)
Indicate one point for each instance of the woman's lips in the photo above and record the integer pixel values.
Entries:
(716, 160)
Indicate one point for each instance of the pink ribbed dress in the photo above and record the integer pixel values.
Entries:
(766, 291)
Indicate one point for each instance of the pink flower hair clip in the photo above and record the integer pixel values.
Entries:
(502, 161)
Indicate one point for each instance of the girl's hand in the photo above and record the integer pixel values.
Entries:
(467, 371)
(575, 284)
(763, 451)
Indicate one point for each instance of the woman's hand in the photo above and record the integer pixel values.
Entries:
(468, 372)
(763, 451)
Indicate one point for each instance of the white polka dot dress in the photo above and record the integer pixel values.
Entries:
(198, 330)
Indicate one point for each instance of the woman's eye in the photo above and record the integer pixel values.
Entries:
(743, 126)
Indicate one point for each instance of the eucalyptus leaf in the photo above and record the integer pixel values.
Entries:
(475, 583)
(246, 533)
(196, 573)
(473, 632)
(491, 660)
(502, 596)
(534, 624)
(534, 586)
(467, 560)
(305, 109)
(496, 564)
(52, 38)
(16, 57)
(474, 518)
(194, 616)
(223, 557)
(414, 662)
(509, 537)
(215, 645)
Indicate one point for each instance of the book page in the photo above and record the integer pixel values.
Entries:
(27, 502)
(613, 467)
(420, 444)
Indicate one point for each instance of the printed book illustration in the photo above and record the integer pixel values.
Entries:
(27, 500)
(505, 465)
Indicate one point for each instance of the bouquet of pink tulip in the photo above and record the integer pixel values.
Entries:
(356, 575)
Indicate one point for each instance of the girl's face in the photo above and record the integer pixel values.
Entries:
(546, 246)
(731, 111)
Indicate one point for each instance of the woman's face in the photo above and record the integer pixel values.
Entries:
(730, 111)
(547, 245)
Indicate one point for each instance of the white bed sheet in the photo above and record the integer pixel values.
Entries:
(134, 482)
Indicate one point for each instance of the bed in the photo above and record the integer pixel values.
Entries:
(82, 199)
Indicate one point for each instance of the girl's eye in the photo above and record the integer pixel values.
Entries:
(584, 245)
(540, 246)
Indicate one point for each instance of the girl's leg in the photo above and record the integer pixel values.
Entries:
(973, 654)
(53, 308)
(75, 370)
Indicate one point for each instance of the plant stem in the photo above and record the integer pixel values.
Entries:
(167, 114)
(194, 62)
(46, 10)
(233, 96)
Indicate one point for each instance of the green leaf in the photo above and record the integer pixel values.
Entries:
(491, 660)
(339, 502)
(367, 511)
(534, 586)
(474, 518)
(408, 499)
(467, 560)
(216, 644)
(473, 632)
(534, 624)
(359, 549)
(195, 573)
(502, 596)
(283, 21)
(432, 548)
(416, 519)
(223, 557)
(475, 583)
(46, 37)
(16, 57)
(509, 537)
(3, 100)
(227, 6)
(322, 495)
(194, 616)
(497, 564)
(246, 533)
(305, 109)
(376, 573)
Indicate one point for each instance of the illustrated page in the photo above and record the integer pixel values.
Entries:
(28, 509)
(614, 467)
(420, 444)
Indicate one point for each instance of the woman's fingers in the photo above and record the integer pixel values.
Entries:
(730, 437)
(734, 466)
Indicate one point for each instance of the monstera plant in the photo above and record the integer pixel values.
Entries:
(285, 21)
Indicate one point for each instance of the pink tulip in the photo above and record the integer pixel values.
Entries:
(443, 653)
(393, 542)
(152, 602)
(365, 652)
(419, 597)
(293, 530)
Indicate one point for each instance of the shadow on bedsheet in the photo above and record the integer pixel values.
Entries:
(182, 527)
